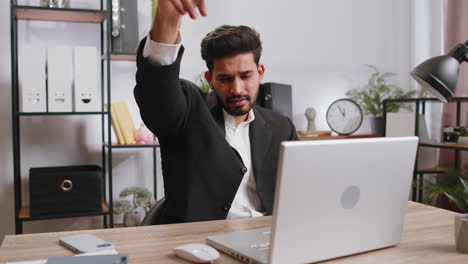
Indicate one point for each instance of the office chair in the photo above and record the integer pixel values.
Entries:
(153, 215)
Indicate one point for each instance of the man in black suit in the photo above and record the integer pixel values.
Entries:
(219, 159)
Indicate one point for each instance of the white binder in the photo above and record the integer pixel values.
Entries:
(59, 74)
(86, 92)
(32, 78)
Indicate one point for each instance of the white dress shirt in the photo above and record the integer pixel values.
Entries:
(246, 202)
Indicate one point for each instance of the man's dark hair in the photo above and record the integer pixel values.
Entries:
(230, 40)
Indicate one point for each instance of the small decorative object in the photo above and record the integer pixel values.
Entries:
(450, 136)
(203, 83)
(455, 187)
(463, 136)
(56, 3)
(310, 114)
(143, 135)
(141, 202)
(344, 116)
(370, 98)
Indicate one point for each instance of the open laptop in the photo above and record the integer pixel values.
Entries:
(333, 198)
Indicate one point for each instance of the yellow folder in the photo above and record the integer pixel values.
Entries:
(127, 127)
(116, 125)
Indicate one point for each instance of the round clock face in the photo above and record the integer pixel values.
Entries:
(344, 116)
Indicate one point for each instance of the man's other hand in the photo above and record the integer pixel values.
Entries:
(168, 16)
(182, 7)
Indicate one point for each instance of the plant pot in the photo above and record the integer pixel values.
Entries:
(463, 140)
(376, 125)
(118, 218)
(461, 233)
(131, 218)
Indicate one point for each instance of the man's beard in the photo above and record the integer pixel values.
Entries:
(236, 111)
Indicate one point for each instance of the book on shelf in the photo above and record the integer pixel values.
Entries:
(123, 123)
(116, 126)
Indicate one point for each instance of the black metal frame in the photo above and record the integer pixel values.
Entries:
(105, 114)
(420, 104)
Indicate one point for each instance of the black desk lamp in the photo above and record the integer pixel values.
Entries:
(439, 75)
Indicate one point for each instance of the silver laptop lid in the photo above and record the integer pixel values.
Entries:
(340, 197)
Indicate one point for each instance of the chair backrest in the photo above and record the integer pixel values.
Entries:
(153, 215)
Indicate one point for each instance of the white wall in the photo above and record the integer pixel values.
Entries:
(427, 40)
(320, 47)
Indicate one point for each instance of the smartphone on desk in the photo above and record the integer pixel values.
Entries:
(85, 243)
(102, 259)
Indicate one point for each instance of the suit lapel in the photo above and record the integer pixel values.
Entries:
(217, 114)
(260, 136)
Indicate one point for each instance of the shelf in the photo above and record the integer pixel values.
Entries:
(60, 113)
(25, 215)
(155, 144)
(123, 56)
(116, 226)
(433, 99)
(338, 137)
(60, 14)
(444, 145)
(432, 170)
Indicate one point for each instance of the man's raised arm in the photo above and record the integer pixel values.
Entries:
(169, 15)
(163, 105)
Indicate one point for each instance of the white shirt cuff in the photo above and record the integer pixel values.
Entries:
(160, 53)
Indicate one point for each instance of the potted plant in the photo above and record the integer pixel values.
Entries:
(463, 137)
(370, 98)
(454, 186)
(136, 209)
(120, 207)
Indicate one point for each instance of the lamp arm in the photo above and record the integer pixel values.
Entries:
(460, 52)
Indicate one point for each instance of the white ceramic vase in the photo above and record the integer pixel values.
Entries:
(461, 233)
(463, 140)
(132, 218)
(118, 218)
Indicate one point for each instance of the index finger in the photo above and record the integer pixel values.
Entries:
(201, 5)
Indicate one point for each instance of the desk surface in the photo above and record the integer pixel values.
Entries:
(428, 238)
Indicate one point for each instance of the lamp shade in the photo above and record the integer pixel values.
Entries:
(439, 75)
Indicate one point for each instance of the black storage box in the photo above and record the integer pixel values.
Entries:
(71, 189)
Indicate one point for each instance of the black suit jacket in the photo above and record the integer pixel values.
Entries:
(201, 171)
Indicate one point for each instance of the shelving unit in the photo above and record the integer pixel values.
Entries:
(98, 16)
(420, 108)
(18, 12)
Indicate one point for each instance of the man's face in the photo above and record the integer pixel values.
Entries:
(235, 80)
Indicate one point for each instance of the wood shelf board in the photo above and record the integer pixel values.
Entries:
(312, 133)
(25, 212)
(153, 144)
(433, 170)
(116, 226)
(59, 113)
(338, 137)
(123, 57)
(60, 14)
(444, 145)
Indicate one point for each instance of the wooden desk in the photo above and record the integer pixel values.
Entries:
(428, 238)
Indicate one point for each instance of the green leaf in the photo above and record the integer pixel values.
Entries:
(371, 96)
